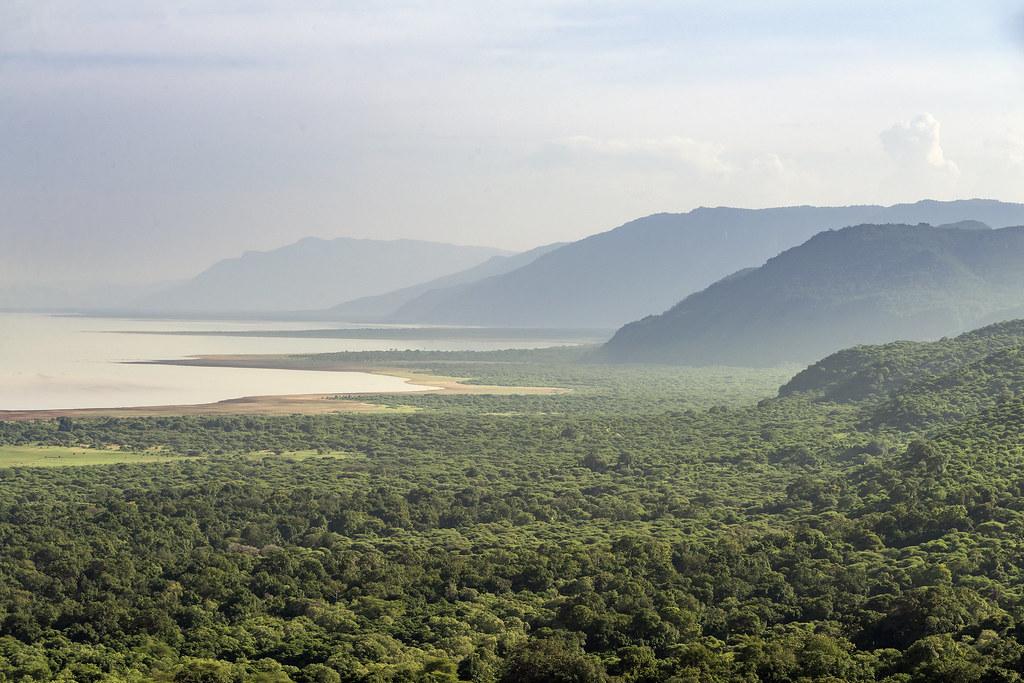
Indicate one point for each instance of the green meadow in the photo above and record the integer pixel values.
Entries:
(61, 456)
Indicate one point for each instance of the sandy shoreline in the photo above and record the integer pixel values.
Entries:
(440, 383)
(306, 404)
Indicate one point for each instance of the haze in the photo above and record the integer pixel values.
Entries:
(350, 341)
(143, 141)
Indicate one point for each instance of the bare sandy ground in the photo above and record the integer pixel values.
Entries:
(447, 385)
(307, 404)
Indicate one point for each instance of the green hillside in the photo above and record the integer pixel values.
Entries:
(859, 285)
(864, 372)
(917, 384)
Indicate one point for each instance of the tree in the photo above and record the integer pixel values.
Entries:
(204, 671)
(553, 659)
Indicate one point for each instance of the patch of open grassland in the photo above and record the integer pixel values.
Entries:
(298, 455)
(61, 456)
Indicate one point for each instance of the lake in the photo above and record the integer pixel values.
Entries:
(52, 363)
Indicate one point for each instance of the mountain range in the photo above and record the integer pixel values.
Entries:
(649, 264)
(599, 282)
(394, 304)
(857, 285)
(314, 274)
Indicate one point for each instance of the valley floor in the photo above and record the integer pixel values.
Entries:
(644, 524)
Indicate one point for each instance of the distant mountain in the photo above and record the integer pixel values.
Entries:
(916, 384)
(649, 264)
(314, 274)
(381, 307)
(864, 284)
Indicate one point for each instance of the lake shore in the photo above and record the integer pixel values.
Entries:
(439, 383)
(306, 404)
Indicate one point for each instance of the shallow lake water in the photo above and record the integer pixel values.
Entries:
(49, 363)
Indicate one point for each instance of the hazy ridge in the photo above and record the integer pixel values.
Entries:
(391, 304)
(649, 264)
(864, 284)
(314, 274)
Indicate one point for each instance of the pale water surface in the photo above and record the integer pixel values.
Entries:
(51, 363)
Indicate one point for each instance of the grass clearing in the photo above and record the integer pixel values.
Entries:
(62, 456)
(80, 456)
(298, 455)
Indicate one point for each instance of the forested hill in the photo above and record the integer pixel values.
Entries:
(867, 371)
(917, 384)
(858, 285)
(314, 273)
(649, 264)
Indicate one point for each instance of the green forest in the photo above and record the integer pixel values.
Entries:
(862, 523)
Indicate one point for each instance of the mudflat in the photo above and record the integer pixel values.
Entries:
(306, 404)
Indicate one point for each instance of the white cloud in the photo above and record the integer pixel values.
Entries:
(677, 172)
(1015, 147)
(770, 165)
(698, 155)
(917, 145)
(711, 161)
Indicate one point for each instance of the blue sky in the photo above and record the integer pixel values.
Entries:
(143, 140)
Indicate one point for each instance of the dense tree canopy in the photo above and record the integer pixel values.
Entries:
(696, 535)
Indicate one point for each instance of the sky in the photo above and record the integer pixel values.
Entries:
(142, 141)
